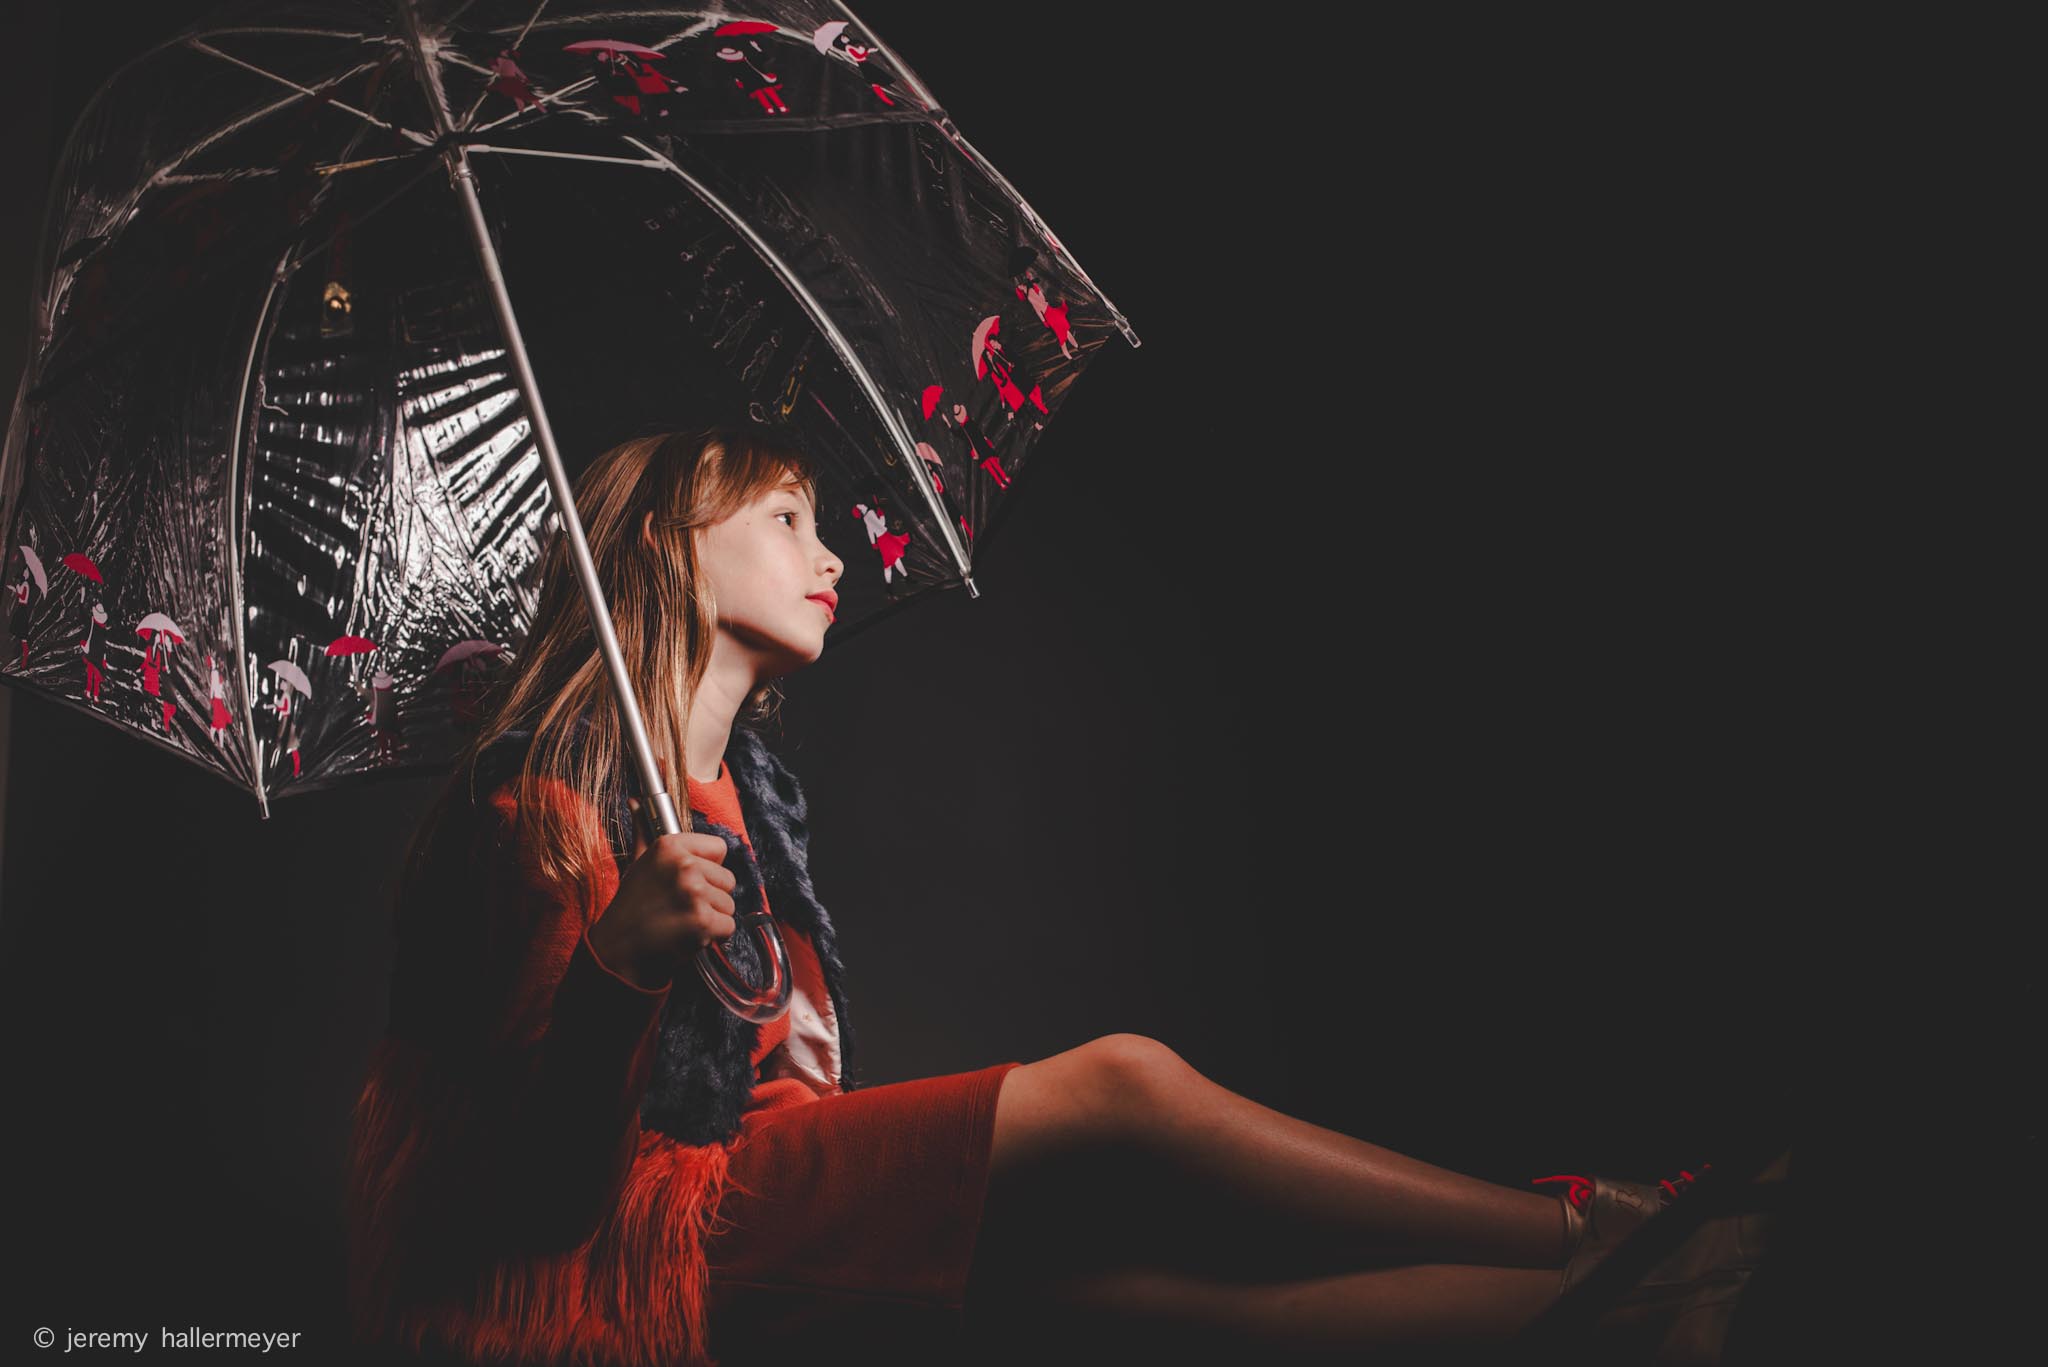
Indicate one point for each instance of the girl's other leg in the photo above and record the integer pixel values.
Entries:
(1412, 1314)
(1122, 1151)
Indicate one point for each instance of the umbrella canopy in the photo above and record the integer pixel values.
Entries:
(269, 395)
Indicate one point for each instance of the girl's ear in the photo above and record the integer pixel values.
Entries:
(647, 531)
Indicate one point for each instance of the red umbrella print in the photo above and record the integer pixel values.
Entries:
(349, 645)
(993, 363)
(625, 72)
(756, 82)
(219, 718)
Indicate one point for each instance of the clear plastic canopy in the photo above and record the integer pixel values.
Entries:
(271, 494)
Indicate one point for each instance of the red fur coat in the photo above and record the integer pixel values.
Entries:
(504, 1199)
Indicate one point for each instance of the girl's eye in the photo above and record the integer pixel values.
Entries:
(788, 515)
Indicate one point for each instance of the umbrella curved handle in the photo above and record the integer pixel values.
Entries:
(757, 1002)
(761, 1002)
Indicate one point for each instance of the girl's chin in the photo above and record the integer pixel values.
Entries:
(789, 661)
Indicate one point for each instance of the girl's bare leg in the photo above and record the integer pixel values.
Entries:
(1119, 1154)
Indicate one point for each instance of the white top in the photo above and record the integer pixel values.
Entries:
(812, 1050)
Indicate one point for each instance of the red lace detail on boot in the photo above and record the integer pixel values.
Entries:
(1578, 1193)
(1674, 1187)
(1580, 1189)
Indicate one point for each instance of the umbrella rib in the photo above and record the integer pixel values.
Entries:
(550, 98)
(164, 174)
(111, 80)
(953, 134)
(883, 408)
(565, 156)
(273, 30)
(277, 277)
(367, 117)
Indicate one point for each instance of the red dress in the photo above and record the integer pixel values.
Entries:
(476, 1169)
(848, 1217)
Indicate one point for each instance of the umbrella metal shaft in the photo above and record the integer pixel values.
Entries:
(771, 1000)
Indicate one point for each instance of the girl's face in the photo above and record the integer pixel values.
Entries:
(773, 580)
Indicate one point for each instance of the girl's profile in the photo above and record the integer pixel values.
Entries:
(567, 1150)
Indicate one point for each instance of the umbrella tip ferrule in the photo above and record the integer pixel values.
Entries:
(972, 592)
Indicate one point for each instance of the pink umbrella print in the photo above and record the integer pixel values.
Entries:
(35, 567)
(162, 633)
(17, 618)
(290, 674)
(612, 46)
(463, 658)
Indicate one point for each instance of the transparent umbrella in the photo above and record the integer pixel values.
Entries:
(309, 270)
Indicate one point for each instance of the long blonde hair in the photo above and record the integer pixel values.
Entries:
(662, 612)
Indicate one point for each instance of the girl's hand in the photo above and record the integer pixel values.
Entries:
(673, 899)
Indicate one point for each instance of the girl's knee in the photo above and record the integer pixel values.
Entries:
(1137, 1067)
(1098, 1095)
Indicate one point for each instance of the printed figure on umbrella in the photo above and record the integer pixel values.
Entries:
(625, 71)
(511, 82)
(889, 541)
(832, 36)
(217, 696)
(1032, 291)
(936, 465)
(384, 712)
(977, 441)
(161, 633)
(290, 679)
(31, 586)
(93, 644)
(740, 51)
(993, 363)
(94, 648)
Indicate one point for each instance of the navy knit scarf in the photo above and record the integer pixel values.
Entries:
(703, 1074)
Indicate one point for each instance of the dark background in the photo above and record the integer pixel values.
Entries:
(1411, 685)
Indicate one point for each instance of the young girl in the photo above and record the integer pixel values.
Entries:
(568, 1150)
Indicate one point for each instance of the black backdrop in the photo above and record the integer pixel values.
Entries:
(1408, 685)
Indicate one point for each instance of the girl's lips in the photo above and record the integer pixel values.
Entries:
(825, 604)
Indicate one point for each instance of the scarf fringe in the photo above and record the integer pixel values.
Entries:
(632, 1295)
